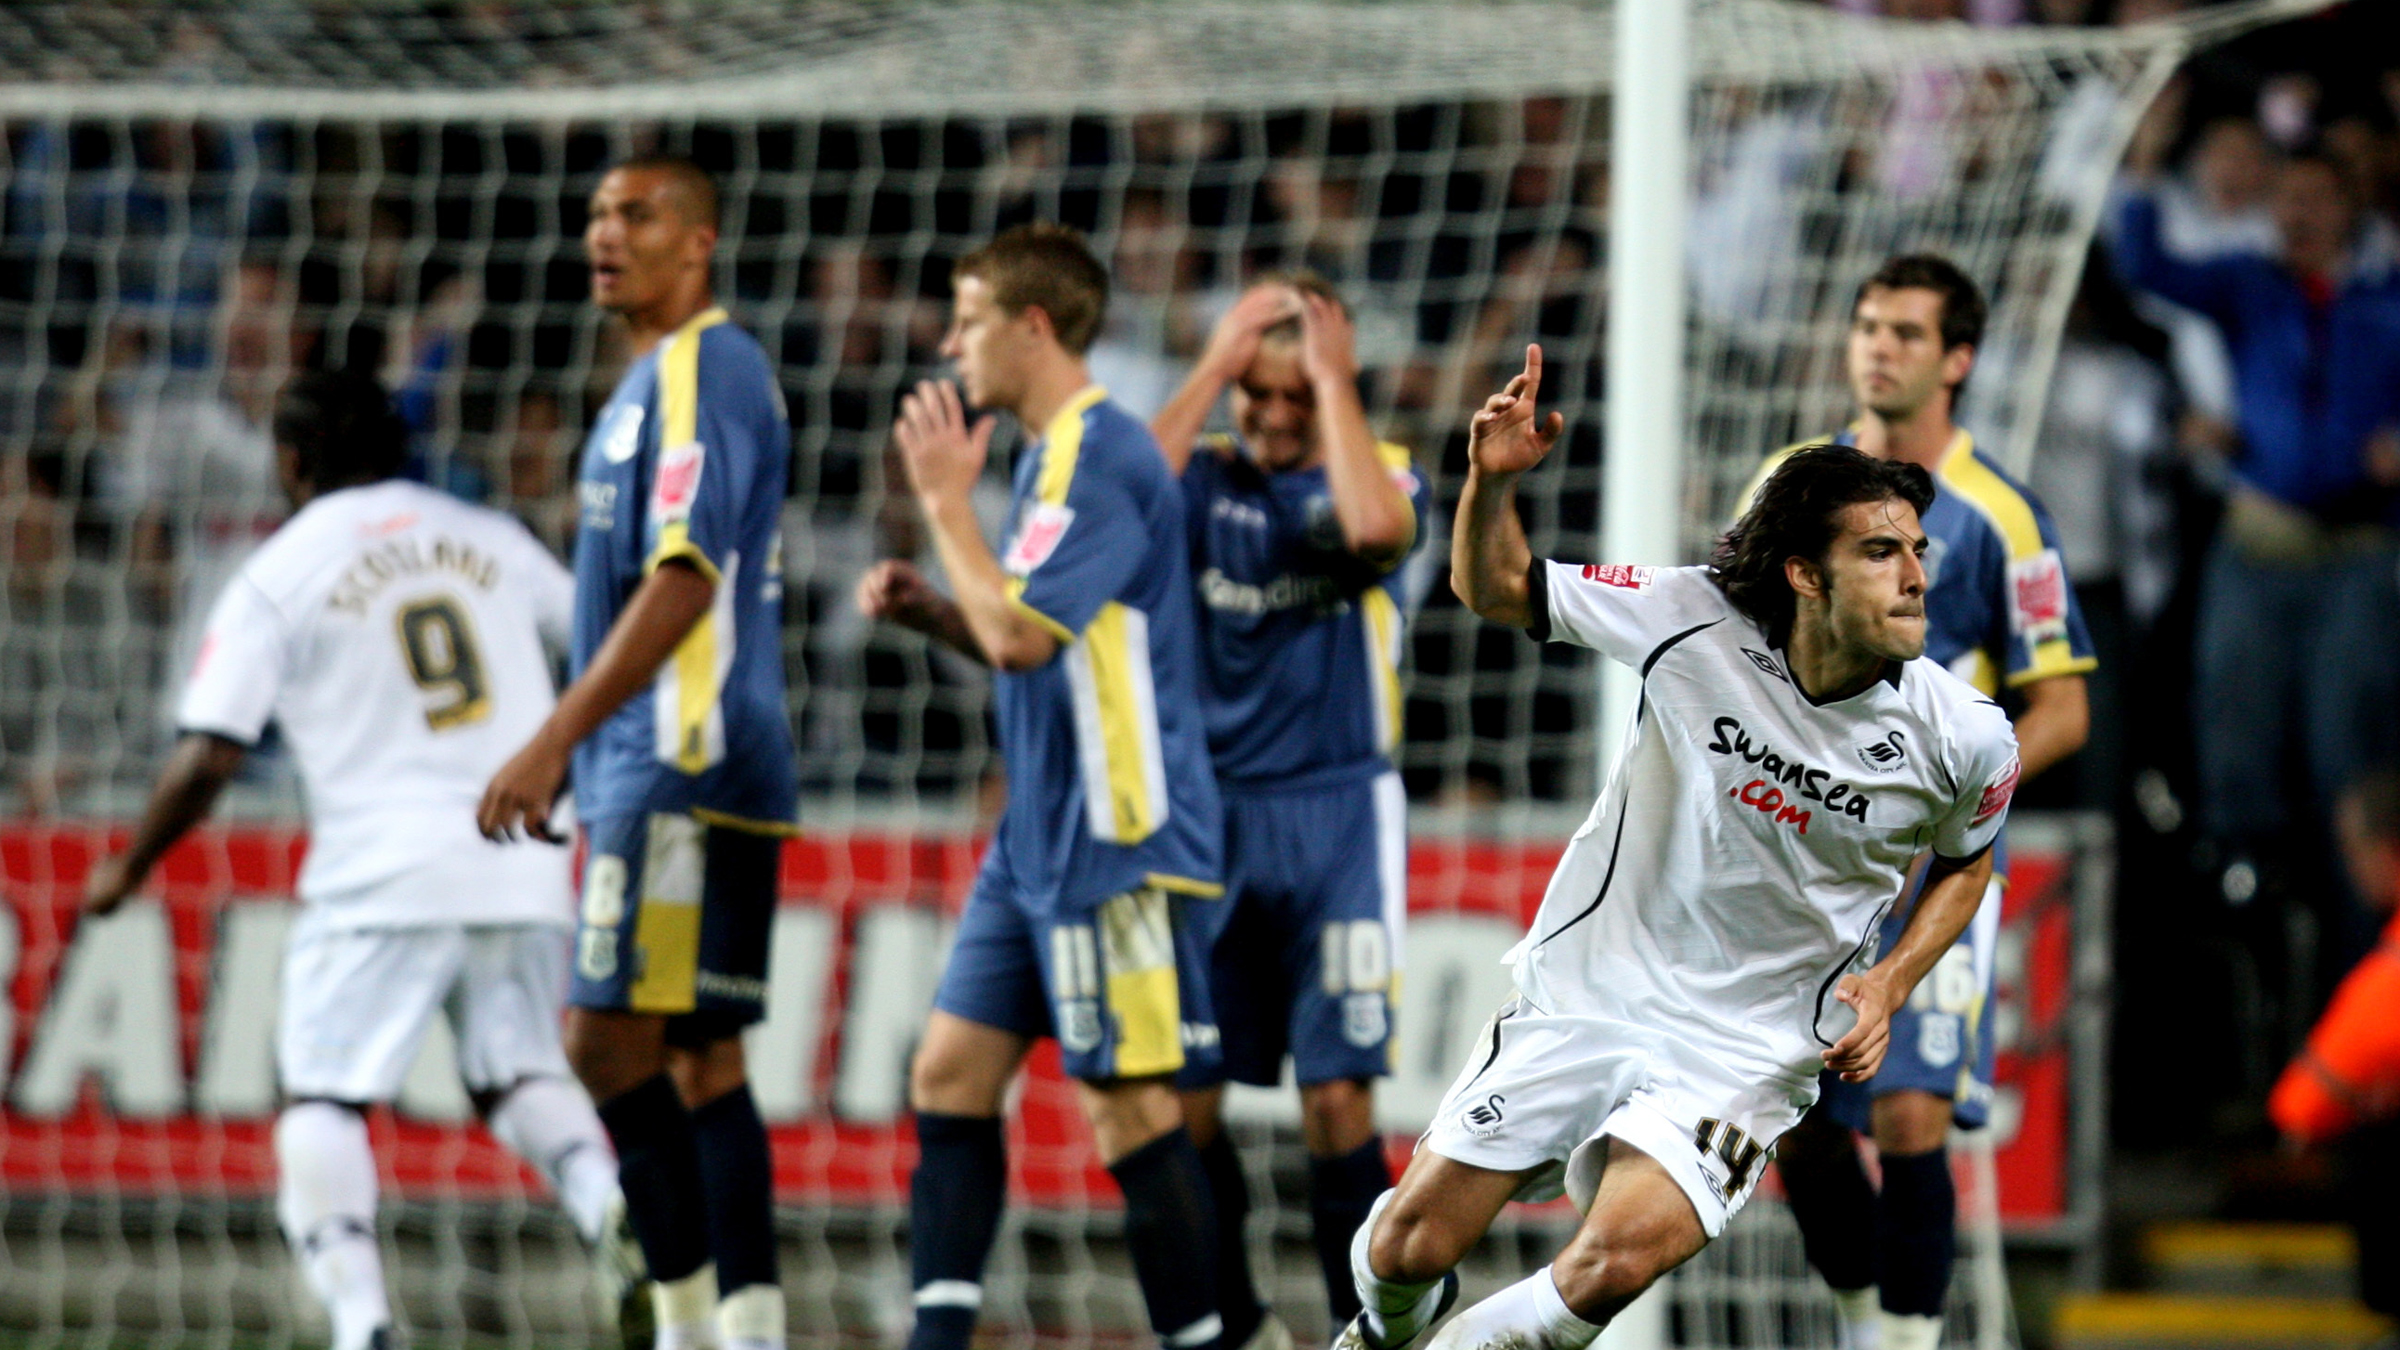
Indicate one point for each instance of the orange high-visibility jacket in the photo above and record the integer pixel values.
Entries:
(2349, 1073)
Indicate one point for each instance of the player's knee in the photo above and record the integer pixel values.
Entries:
(1911, 1121)
(951, 1084)
(1338, 1116)
(1598, 1279)
(1413, 1243)
(603, 1061)
(708, 1070)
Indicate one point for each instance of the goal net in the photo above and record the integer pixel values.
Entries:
(201, 197)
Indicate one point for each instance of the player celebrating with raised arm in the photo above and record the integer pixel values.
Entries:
(1998, 612)
(682, 755)
(1076, 926)
(1693, 964)
(398, 638)
(1298, 526)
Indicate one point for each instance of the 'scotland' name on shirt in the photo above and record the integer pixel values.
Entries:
(386, 563)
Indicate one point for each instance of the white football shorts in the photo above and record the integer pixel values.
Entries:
(357, 1002)
(1542, 1090)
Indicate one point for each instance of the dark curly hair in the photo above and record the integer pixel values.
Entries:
(342, 426)
(1793, 516)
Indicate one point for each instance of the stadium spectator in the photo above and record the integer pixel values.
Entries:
(186, 467)
(2107, 453)
(2217, 206)
(2299, 630)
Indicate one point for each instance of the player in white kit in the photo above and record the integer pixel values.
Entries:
(400, 640)
(1705, 946)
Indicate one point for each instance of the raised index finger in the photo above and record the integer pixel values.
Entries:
(1533, 369)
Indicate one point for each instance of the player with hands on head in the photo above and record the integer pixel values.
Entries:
(1704, 947)
(680, 741)
(400, 640)
(1299, 522)
(1078, 926)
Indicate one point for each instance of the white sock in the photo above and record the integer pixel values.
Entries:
(1904, 1331)
(751, 1318)
(1395, 1312)
(1862, 1317)
(325, 1196)
(686, 1311)
(1530, 1313)
(550, 1123)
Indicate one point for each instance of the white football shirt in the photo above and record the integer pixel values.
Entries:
(401, 639)
(1748, 840)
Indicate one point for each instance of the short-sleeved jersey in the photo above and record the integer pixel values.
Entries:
(1748, 839)
(402, 640)
(1109, 786)
(1299, 638)
(689, 461)
(1998, 606)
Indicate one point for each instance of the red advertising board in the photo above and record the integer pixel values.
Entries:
(138, 1051)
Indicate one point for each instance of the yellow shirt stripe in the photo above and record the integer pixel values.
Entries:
(1062, 445)
(1383, 643)
(1114, 657)
(692, 678)
(2011, 516)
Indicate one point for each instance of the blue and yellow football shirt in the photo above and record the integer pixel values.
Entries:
(1300, 639)
(1109, 788)
(1998, 608)
(689, 460)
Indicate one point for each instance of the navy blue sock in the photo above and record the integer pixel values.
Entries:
(1171, 1229)
(1834, 1204)
(1916, 1233)
(954, 1204)
(1341, 1189)
(1237, 1294)
(658, 1167)
(737, 1174)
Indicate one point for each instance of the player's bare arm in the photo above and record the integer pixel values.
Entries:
(187, 788)
(1488, 553)
(2055, 722)
(1231, 346)
(895, 590)
(1378, 524)
(944, 456)
(655, 621)
(1953, 891)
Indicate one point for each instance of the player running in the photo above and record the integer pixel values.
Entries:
(1998, 613)
(1298, 528)
(397, 638)
(682, 752)
(1707, 944)
(1077, 925)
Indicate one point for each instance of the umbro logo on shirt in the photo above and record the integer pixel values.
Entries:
(1766, 663)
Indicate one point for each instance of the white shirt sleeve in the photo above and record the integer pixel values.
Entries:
(1620, 611)
(234, 683)
(1987, 769)
(553, 590)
